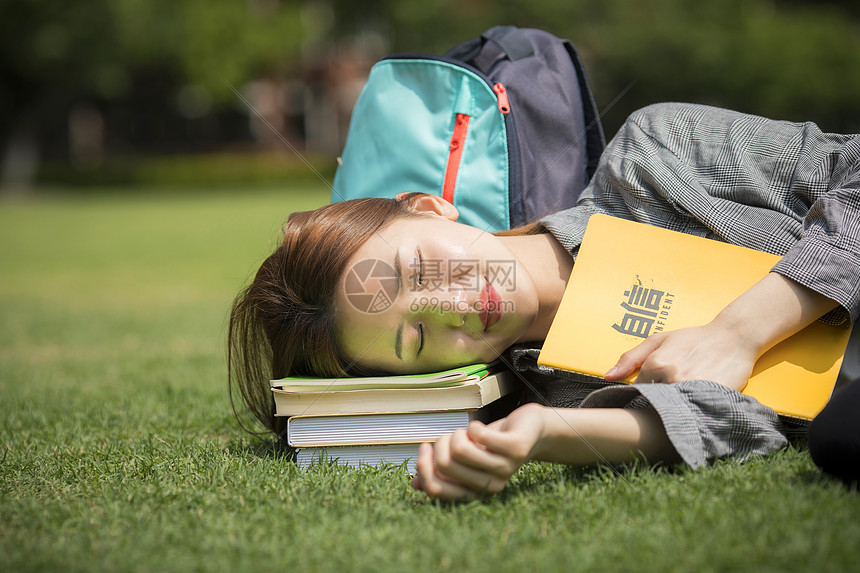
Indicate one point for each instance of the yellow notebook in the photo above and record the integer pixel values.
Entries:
(631, 280)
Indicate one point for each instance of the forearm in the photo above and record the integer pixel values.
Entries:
(612, 435)
(772, 310)
(480, 459)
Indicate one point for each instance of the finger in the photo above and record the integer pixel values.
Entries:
(510, 446)
(659, 367)
(433, 484)
(655, 373)
(632, 360)
(499, 424)
(461, 460)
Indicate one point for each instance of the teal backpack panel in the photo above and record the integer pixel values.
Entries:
(401, 133)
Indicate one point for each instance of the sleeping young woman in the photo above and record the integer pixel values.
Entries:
(781, 187)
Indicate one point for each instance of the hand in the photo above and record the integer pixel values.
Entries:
(696, 353)
(481, 458)
(726, 349)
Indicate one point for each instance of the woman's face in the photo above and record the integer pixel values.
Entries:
(427, 294)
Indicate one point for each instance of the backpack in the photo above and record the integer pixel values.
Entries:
(504, 126)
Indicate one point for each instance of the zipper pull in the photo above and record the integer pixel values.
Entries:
(502, 95)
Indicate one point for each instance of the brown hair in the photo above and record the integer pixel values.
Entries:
(284, 322)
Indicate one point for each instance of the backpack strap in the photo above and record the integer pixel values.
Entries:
(514, 45)
(595, 139)
(511, 39)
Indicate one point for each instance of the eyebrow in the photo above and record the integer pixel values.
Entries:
(398, 338)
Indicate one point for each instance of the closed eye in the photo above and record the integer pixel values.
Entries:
(420, 339)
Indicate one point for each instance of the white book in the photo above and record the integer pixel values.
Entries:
(356, 456)
(383, 428)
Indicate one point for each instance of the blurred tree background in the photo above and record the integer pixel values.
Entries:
(151, 91)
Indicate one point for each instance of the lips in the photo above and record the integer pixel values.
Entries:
(491, 305)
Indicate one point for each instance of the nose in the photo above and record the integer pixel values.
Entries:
(443, 308)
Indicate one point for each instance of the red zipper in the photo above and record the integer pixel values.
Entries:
(458, 139)
(502, 95)
(455, 152)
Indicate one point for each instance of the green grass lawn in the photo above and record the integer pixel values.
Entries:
(120, 451)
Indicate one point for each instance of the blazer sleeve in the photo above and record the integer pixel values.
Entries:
(776, 186)
(704, 420)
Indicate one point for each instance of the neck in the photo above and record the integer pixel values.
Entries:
(549, 265)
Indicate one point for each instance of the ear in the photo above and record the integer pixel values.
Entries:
(431, 205)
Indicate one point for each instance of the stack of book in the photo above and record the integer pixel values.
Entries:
(368, 421)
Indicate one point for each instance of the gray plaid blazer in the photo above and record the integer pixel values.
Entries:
(781, 187)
